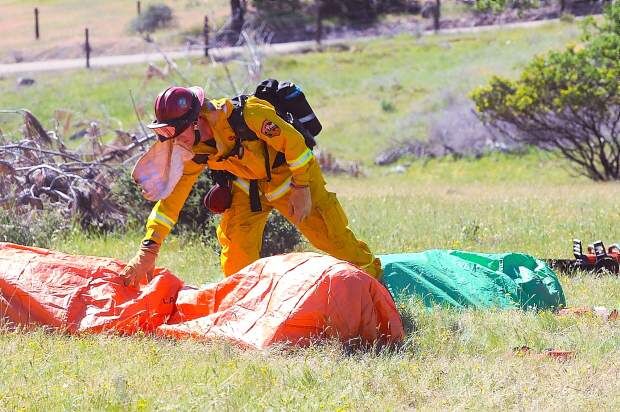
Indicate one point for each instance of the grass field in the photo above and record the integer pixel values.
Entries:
(350, 89)
(451, 359)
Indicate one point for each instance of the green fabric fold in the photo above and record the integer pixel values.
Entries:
(478, 280)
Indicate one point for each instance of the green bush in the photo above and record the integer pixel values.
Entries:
(566, 101)
(155, 17)
(36, 228)
(127, 194)
(194, 218)
(497, 6)
(567, 17)
(387, 106)
(280, 236)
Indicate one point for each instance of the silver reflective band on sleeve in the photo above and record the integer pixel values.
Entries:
(161, 218)
(301, 161)
(242, 184)
(280, 191)
(306, 119)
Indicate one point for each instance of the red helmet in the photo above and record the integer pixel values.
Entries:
(218, 199)
(176, 108)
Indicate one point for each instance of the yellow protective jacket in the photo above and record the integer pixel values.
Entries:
(279, 135)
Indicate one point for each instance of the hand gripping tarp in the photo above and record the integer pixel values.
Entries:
(478, 280)
(292, 299)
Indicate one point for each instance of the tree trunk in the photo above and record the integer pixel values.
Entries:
(237, 17)
(437, 15)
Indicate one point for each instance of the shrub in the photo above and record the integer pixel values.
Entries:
(567, 102)
(34, 228)
(387, 106)
(497, 6)
(280, 236)
(126, 193)
(156, 16)
(567, 18)
(455, 131)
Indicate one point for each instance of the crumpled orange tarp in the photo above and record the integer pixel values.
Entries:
(295, 299)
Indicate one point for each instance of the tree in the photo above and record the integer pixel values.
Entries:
(355, 11)
(566, 101)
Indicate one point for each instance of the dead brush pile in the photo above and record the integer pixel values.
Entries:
(42, 181)
(330, 164)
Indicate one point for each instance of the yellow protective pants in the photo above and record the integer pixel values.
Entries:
(240, 231)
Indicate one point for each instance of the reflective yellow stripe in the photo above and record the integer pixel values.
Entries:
(242, 184)
(280, 191)
(161, 218)
(301, 161)
(273, 195)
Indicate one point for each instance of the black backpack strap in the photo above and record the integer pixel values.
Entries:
(279, 160)
(221, 177)
(237, 122)
(243, 132)
(255, 205)
(267, 162)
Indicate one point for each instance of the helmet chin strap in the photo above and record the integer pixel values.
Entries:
(197, 135)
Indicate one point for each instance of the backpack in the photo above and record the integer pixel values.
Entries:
(291, 105)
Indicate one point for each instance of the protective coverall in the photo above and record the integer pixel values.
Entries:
(240, 230)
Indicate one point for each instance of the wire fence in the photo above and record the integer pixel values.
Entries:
(311, 23)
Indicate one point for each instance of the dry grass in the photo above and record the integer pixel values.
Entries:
(62, 26)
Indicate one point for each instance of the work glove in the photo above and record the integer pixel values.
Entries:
(300, 203)
(141, 265)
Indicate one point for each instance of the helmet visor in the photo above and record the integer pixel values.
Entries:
(169, 131)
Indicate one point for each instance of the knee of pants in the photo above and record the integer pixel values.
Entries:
(374, 269)
(241, 246)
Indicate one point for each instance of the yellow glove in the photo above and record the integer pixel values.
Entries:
(141, 265)
(300, 203)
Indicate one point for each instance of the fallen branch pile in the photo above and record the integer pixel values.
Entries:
(40, 172)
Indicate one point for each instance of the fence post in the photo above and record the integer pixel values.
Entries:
(205, 32)
(138, 8)
(319, 21)
(36, 23)
(87, 48)
(437, 15)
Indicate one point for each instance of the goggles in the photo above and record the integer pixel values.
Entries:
(170, 131)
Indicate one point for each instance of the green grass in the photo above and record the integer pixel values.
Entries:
(349, 89)
(456, 360)
(451, 359)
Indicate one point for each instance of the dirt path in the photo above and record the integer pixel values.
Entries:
(224, 53)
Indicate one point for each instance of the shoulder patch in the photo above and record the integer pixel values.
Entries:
(270, 129)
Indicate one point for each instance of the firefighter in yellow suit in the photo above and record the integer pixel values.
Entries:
(296, 188)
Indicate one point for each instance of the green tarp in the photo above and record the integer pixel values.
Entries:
(479, 280)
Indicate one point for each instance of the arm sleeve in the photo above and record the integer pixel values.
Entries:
(165, 213)
(282, 136)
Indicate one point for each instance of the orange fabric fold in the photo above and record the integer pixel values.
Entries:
(290, 299)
